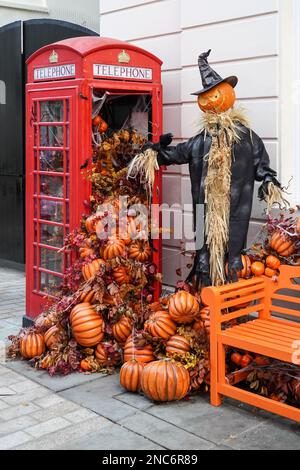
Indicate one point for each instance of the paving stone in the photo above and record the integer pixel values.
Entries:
(26, 397)
(56, 383)
(17, 424)
(13, 412)
(5, 391)
(49, 401)
(3, 405)
(199, 417)
(6, 380)
(163, 433)
(134, 399)
(24, 386)
(60, 409)
(66, 435)
(47, 427)
(265, 437)
(80, 415)
(13, 440)
(97, 396)
(112, 437)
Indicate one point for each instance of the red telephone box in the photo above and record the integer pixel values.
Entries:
(64, 80)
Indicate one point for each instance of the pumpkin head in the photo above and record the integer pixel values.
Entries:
(141, 354)
(165, 380)
(258, 268)
(32, 345)
(113, 248)
(131, 375)
(218, 99)
(161, 325)
(177, 345)
(183, 307)
(140, 251)
(89, 270)
(87, 325)
(122, 329)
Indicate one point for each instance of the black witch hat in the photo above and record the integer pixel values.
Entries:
(210, 78)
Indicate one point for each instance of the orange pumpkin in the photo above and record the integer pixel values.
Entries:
(177, 345)
(246, 271)
(139, 251)
(273, 262)
(32, 345)
(246, 360)
(121, 275)
(198, 325)
(86, 251)
(165, 380)
(218, 100)
(205, 317)
(258, 268)
(55, 335)
(102, 127)
(131, 375)
(141, 354)
(88, 295)
(270, 272)
(89, 270)
(114, 247)
(87, 325)
(161, 325)
(97, 120)
(85, 365)
(103, 358)
(122, 329)
(282, 245)
(236, 358)
(91, 222)
(183, 307)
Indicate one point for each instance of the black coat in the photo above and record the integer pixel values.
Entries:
(250, 163)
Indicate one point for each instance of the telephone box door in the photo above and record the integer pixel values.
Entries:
(50, 159)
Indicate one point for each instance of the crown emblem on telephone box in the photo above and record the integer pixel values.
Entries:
(53, 57)
(123, 57)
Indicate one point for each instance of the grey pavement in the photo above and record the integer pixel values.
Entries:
(93, 412)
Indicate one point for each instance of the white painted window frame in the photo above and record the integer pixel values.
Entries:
(25, 5)
(289, 78)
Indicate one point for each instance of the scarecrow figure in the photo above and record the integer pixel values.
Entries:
(225, 159)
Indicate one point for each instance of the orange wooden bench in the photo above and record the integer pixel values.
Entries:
(272, 332)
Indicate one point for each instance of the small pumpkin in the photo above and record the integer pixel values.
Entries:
(97, 121)
(103, 126)
(261, 361)
(183, 307)
(113, 248)
(273, 262)
(165, 380)
(140, 251)
(91, 223)
(246, 271)
(55, 335)
(218, 99)
(89, 270)
(85, 365)
(121, 275)
(131, 375)
(88, 295)
(177, 345)
(122, 329)
(161, 325)
(86, 251)
(87, 325)
(32, 345)
(236, 358)
(205, 318)
(104, 358)
(258, 268)
(282, 245)
(270, 272)
(141, 354)
(246, 360)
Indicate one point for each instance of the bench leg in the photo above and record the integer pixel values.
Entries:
(215, 397)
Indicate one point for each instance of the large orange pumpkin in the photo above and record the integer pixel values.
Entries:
(140, 251)
(54, 335)
(32, 345)
(122, 329)
(161, 325)
(131, 375)
(177, 345)
(165, 380)
(218, 100)
(282, 245)
(121, 275)
(89, 270)
(141, 354)
(114, 247)
(183, 307)
(87, 325)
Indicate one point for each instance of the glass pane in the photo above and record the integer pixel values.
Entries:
(50, 283)
(67, 110)
(67, 213)
(52, 160)
(35, 135)
(52, 111)
(35, 256)
(35, 232)
(51, 210)
(67, 136)
(67, 162)
(52, 186)
(51, 235)
(51, 260)
(51, 136)
(35, 286)
(35, 208)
